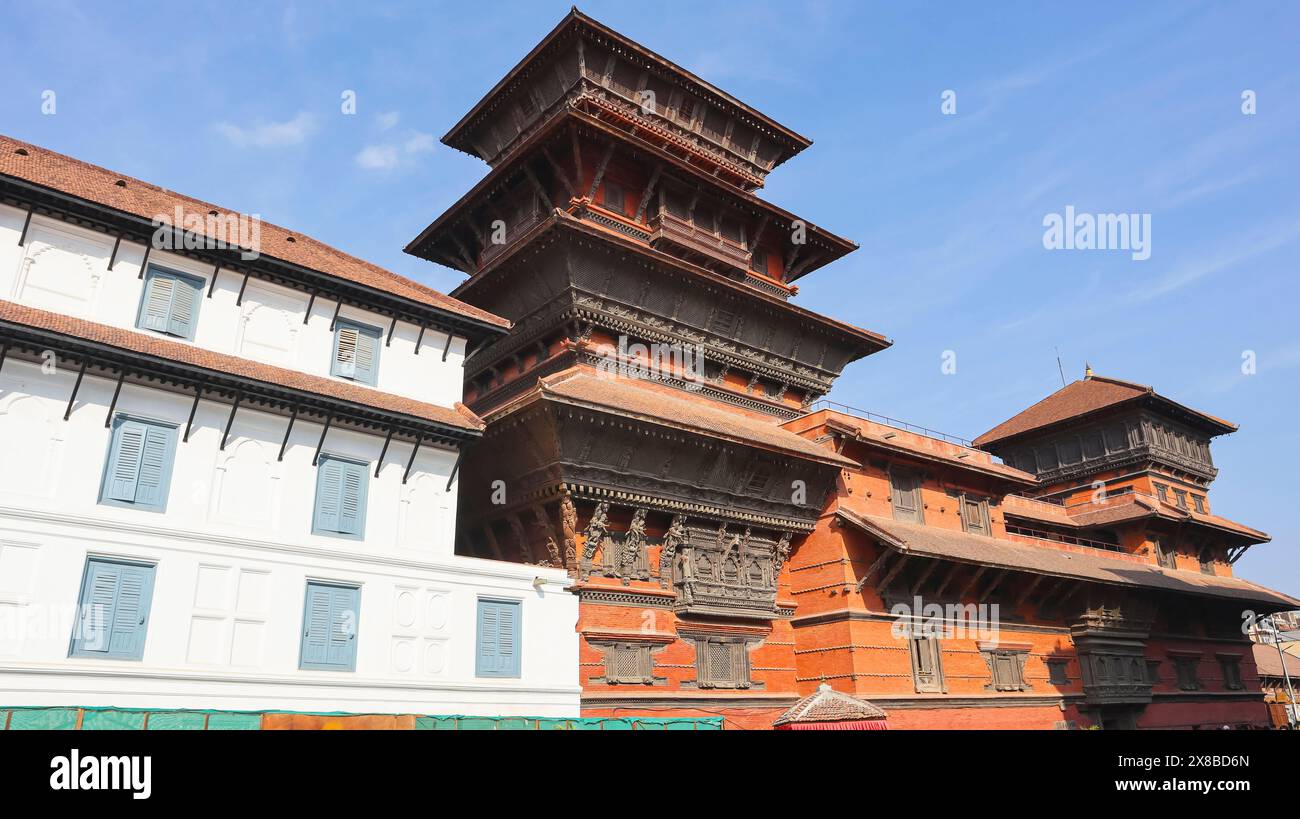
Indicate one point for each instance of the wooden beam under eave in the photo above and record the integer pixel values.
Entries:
(970, 584)
(925, 575)
(560, 173)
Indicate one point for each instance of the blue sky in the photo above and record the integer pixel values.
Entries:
(1111, 108)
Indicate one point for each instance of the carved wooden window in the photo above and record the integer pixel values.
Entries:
(905, 493)
(975, 515)
(1207, 561)
(758, 262)
(1199, 503)
(1056, 672)
(613, 198)
(1185, 668)
(1007, 668)
(1153, 671)
(1165, 555)
(927, 665)
(1231, 667)
(759, 480)
(721, 663)
(1162, 492)
(1180, 498)
(629, 663)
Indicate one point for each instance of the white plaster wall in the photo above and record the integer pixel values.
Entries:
(234, 547)
(64, 268)
(234, 550)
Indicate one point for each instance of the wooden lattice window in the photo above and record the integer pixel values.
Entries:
(629, 663)
(721, 663)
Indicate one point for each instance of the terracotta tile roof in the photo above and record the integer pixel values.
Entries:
(1136, 506)
(1269, 664)
(660, 405)
(932, 449)
(1081, 398)
(829, 705)
(175, 351)
(99, 185)
(949, 544)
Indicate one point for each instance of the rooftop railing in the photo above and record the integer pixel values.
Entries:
(874, 417)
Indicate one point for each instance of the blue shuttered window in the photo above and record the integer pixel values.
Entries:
(113, 616)
(341, 490)
(139, 467)
(329, 627)
(499, 630)
(170, 303)
(356, 351)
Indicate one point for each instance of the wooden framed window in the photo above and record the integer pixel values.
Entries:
(1199, 502)
(1165, 556)
(975, 515)
(356, 351)
(721, 663)
(1180, 498)
(498, 639)
(1230, 666)
(629, 663)
(1185, 668)
(927, 665)
(1153, 671)
(758, 262)
(1206, 557)
(1162, 492)
(905, 494)
(113, 615)
(1057, 673)
(170, 303)
(138, 470)
(329, 631)
(342, 489)
(1006, 669)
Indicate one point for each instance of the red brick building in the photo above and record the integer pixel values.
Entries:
(648, 428)
(1112, 578)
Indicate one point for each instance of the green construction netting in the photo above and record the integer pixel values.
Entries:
(120, 719)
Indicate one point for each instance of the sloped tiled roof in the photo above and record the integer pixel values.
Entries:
(950, 544)
(1081, 398)
(829, 705)
(659, 405)
(174, 351)
(1269, 664)
(92, 183)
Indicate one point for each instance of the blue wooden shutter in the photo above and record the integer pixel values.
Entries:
(155, 313)
(185, 303)
(497, 653)
(124, 460)
(329, 487)
(330, 619)
(114, 616)
(356, 352)
(341, 490)
(139, 464)
(352, 501)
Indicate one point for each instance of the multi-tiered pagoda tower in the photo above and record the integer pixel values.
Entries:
(633, 412)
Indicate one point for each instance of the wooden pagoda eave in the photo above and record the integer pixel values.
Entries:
(544, 143)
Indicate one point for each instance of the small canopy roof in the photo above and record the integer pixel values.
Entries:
(829, 710)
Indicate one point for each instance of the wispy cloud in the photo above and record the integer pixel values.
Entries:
(291, 132)
(385, 156)
(388, 120)
(1205, 264)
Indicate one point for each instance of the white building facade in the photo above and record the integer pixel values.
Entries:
(231, 484)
